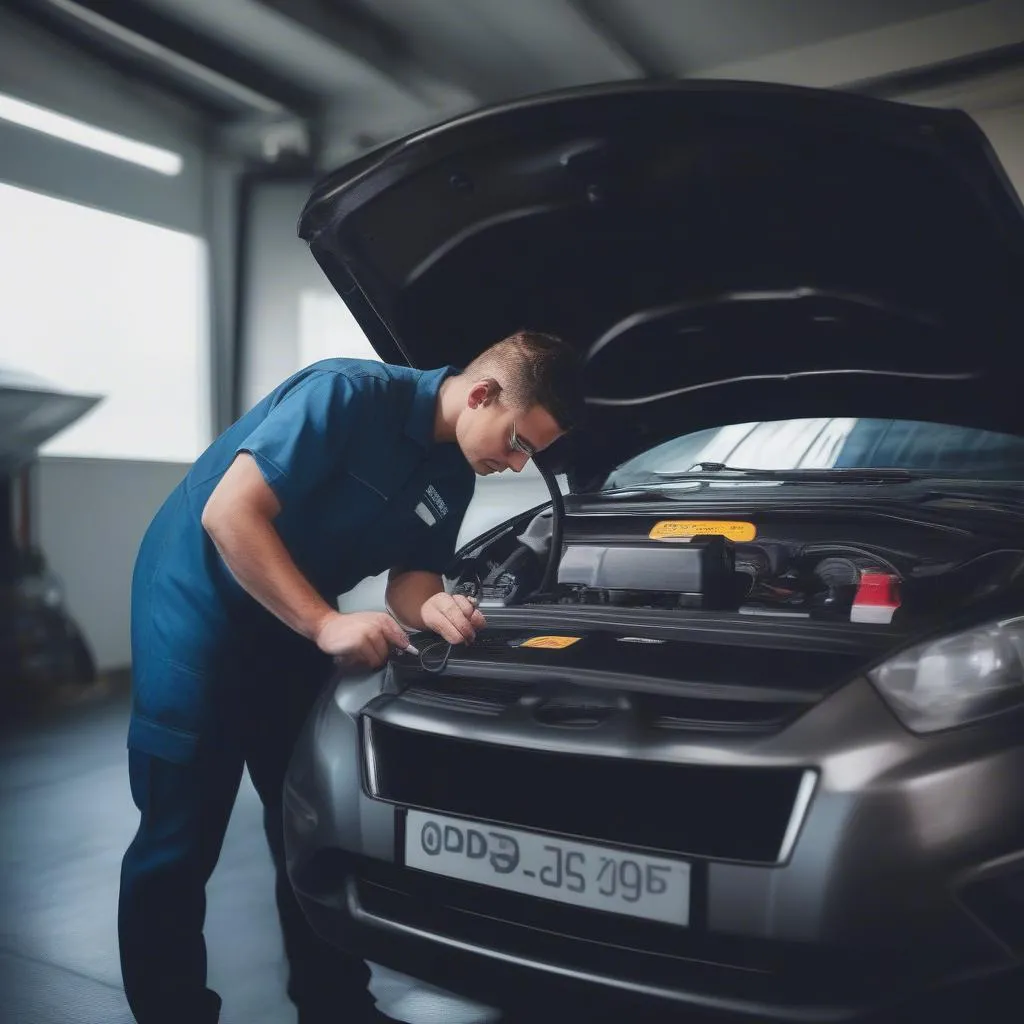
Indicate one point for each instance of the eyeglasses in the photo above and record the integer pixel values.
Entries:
(434, 656)
(517, 444)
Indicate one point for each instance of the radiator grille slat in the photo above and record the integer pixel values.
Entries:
(731, 813)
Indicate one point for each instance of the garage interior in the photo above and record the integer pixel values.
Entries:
(150, 268)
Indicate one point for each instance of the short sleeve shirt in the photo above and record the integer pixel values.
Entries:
(348, 448)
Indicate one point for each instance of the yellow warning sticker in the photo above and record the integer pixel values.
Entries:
(684, 529)
(550, 643)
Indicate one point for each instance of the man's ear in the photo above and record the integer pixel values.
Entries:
(483, 393)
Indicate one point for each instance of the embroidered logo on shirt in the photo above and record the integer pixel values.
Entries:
(432, 507)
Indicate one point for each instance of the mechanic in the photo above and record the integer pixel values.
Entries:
(348, 468)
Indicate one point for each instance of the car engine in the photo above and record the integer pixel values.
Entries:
(857, 569)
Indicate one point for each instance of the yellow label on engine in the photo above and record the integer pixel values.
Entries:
(550, 643)
(684, 529)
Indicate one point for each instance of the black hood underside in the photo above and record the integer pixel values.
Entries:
(720, 252)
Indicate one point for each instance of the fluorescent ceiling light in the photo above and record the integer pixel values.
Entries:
(28, 115)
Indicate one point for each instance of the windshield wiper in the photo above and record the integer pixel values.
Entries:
(720, 471)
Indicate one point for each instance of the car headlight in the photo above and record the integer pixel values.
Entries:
(958, 679)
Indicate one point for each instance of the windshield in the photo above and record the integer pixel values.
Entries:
(823, 444)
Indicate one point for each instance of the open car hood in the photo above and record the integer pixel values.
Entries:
(721, 252)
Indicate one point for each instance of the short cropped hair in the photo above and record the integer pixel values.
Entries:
(534, 368)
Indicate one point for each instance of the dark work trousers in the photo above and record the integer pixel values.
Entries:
(184, 812)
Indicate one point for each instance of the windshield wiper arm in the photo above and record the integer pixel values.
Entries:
(720, 471)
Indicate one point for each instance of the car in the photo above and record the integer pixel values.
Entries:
(42, 648)
(743, 732)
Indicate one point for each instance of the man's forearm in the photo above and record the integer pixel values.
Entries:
(254, 552)
(407, 592)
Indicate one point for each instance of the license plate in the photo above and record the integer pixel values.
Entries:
(582, 874)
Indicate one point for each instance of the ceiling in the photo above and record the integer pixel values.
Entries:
(325, 79)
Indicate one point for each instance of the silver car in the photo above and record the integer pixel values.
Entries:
(744, 730)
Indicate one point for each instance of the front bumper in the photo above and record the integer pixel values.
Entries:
(892, 876)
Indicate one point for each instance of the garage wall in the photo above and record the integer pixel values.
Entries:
(90, 514)
(278, 269)
(996, 101)
(1005, 129)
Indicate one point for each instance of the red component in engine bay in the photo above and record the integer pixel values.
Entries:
(877, 598)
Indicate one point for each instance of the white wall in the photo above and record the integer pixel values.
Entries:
(996, 102)
(278, 268)
(89, 515)
(1005, 129)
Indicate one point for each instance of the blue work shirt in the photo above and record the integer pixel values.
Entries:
(348, 447)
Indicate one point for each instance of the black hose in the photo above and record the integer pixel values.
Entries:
(557, 528)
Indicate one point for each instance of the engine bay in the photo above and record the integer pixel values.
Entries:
(855, 568)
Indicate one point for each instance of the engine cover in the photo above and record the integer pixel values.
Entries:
(700, 571)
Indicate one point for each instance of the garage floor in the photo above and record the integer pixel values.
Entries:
(66, 817)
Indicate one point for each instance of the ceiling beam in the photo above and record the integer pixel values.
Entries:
(377, 42)
(881, 52)
(942, 74)
(618, 37)
(167, 53)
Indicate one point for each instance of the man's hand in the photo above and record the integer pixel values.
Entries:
(360, 639)
(452, 616)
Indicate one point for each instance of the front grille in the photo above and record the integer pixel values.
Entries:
(691, 714)
(729, 813)
(999, 904)
(599, 951)
(674, 713)
(478, 696)
(616, 947)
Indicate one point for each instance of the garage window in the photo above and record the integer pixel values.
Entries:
(107, 305)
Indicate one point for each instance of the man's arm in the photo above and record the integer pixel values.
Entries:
(239, 518)
(419, 600)
(408, 592)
